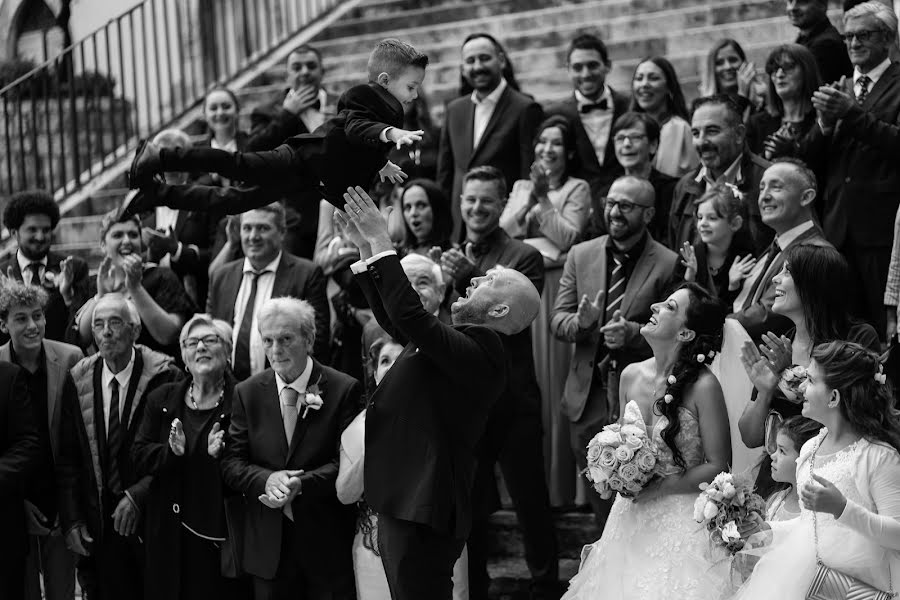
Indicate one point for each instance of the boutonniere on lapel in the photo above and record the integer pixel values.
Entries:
(49, 279)
(313, 398)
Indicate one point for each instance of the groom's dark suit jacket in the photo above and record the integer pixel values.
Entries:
(429, 412)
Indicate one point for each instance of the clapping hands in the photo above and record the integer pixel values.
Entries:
(689, 260)
(833, 101)
(740, 269)
(177, 441)
(760, 371)
(589, 311)
(215, 441)
(281, 487)
(458, 265)
(110, 277)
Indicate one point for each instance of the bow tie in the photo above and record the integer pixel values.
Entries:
(479, 249)
(586, 108)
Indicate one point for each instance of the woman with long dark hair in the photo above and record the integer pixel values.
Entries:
(651, 546)
(427, 221)
(806, 294)
(729, 72)
(849, 482)
(657, 92)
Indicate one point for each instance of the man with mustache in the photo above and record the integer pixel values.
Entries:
(494, 126)
(605, 293)
(820, 37)
(720, 140)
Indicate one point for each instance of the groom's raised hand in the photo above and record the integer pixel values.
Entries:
(362, 211)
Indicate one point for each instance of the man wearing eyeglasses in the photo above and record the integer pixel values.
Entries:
(100, 499)
(605, 293)
(820, 37)
(855, 148)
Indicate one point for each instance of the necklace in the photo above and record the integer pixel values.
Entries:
(194, 402)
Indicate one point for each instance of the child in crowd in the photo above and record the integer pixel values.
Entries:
(347, 151)
(723, 257)
(792, 434)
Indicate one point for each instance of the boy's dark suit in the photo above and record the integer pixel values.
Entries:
(345, 151)
(423, 425)
(314, 551)
(20, 454)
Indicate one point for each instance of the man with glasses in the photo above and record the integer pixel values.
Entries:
(855, 147)
(820, 37)
(100, 499)
(720, 140)
(605, 293)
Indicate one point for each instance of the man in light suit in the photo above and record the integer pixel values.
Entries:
(605, 293)
(267, 271)
(45, 368)
(494, 126)
(592, 109)
(282, 454)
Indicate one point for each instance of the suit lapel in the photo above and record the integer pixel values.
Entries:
(466, 129)
(283, 277)
(271, 412)
(180, 221)
(586, 150)
(609, 155)
(55, 375)
(598, 269)
(316, 377)
(641, 272)
(878, 90)
(496, 115)
(232, 285)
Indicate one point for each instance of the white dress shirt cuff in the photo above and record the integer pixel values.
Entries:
(380, 255)
(358, 267)
(383, 135)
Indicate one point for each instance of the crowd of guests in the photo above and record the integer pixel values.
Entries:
(148, 468)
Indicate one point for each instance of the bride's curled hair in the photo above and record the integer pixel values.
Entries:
(705, 316)
(867, 401)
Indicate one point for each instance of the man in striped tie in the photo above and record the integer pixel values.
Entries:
(605, 293)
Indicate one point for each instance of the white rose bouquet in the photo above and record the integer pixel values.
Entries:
(621, 458)
(725, 504)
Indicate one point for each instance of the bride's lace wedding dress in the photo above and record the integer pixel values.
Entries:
(653, 550)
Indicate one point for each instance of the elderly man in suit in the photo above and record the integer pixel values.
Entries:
(786, 196)
(494, 126)
(20, 456)
(605, 293)
(241, 287)
(592, 109)
(45, 368)
(31, 216)
(720, 141)
(855, 144)
(297, 536)
(100, 498)
(427, 416)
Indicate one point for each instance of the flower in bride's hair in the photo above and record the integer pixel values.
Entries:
(607, 459)
(701, 358)
(624, 454)
(629, 472)
(645, 460)
(671, 380)
(668, 398)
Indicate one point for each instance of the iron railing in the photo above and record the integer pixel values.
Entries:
(81, 111)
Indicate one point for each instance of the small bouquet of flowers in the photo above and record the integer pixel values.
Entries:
(792, 378)
(724, 504)
(621, 458)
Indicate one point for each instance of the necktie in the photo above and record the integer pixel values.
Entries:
(289, 396)
(616, 289)
(759, 284)
(35, 269)
(864, 82)
(586, 108)
(242, 345)
(113, 441)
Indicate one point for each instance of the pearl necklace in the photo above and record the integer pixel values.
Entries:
(194, 402)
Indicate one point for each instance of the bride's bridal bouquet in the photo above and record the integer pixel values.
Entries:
(725, 504)
(621, 458)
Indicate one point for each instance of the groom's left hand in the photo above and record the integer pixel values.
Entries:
(368, 219)
(822, 496)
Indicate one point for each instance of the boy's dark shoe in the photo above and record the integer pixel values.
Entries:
(145, 166)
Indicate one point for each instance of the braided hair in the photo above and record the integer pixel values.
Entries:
(705, 316)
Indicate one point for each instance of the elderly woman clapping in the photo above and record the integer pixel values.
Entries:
(179, 442)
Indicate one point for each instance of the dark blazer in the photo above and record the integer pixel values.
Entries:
(271, 124)
(586, 166)
(153, 457)
(256, 447)
(20, 455)
(859, 197)
(585, 274)
(429, 412)
(296, 277)
(59, 316)
(681, 217)
(829, 50)
(758, 318)
(507, 143)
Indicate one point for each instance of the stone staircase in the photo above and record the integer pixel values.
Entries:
(535, 33)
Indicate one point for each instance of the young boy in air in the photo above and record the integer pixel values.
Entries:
(347, 150)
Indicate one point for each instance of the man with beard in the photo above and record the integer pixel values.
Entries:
(514, 431)
(720, 139)
(494, 126)
(31, 216)
(820, 37)
(429, 413)
(605, 293)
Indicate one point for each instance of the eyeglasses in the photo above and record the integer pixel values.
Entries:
(621, 138)
(786, 67)
(625, 207)
(115, 325)
(210, 341)
(862, 36)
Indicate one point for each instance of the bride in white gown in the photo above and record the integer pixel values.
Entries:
(651, 547)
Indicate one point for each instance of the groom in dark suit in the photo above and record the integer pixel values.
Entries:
(282, 454)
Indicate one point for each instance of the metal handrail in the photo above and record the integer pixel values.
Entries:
(68, 119)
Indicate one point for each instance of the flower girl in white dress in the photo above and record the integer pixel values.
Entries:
(651, 548)
(849, 482)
